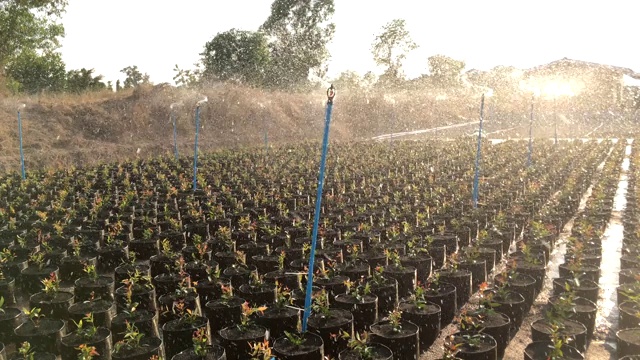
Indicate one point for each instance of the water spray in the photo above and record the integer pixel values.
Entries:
(476, 177)
(195, 147)
(530, 134)
(24, 174)
(555, 122)
(331, 93)
(175, 130)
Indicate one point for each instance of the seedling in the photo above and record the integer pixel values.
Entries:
(91, 271)
(33, 315)
(359, 290)
(200, 342)
(395, 319)
(51, 285)
(281, 260)
(86, 352)
(393, 257)
(247, 312)
(283, 296)
(86, 328)
(132, 338)
(360, 344)
(451, 348)
(37, 259)
(26, 352)
(260, 351)
(294, 339)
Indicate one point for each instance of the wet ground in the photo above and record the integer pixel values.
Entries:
(602, 346)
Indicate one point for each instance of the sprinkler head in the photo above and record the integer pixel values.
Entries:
(21, 106)
(202, 101)
(175, 105)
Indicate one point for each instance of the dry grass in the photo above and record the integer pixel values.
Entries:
(76, 129)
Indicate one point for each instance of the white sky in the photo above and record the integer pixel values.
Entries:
(109, 35)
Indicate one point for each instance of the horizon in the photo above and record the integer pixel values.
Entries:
(169, 35)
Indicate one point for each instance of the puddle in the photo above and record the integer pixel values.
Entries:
(607, 316)
(523, 337)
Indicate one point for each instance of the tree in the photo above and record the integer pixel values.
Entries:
(134, 77)
(29, 25)
(348, 80)
(391, 47)
(237, 55)
(299, 31)
(445, 71)
(186, 78)
(32, 72)
(83, 80)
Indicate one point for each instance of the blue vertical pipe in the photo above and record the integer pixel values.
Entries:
(530, 134)
(266, 136)
(476, 177)
(24, 174)
(175, 136)
(195, 149)
(316, 218)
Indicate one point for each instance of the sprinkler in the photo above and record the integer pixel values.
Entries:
(175, 130)
(331, 93)
(22, 106)
(476, 178)
(195, 147)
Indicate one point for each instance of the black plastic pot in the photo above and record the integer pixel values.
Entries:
(377, 351)
(427, 318)
(150, 346)
(236, 342)
(387, 295)
(586, 289)
(101, 341)
(209, 290)
(540, 350)
(103, 313)
(223, 313)
(536, 271)
(257, 295)
(32, 277)
(278, 320)
(403, 342)
(177, 334)
(143, 295)
(327, 326)
(629, 315)
(312, 347)
(86, 288)
(44, 337)
(628, 342)
(485, 349)
(523, 284)
(512, 304)
(422, 263)
(333, 286)
(145, 321)
(53, 306)
(406, 277)
(444, 295)
(462, 280)
(365, 311)
(110, 257)
(8, 290)
(573, 330)
(214, 352)
(478, 269)
(72, 268)
(9, 320)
